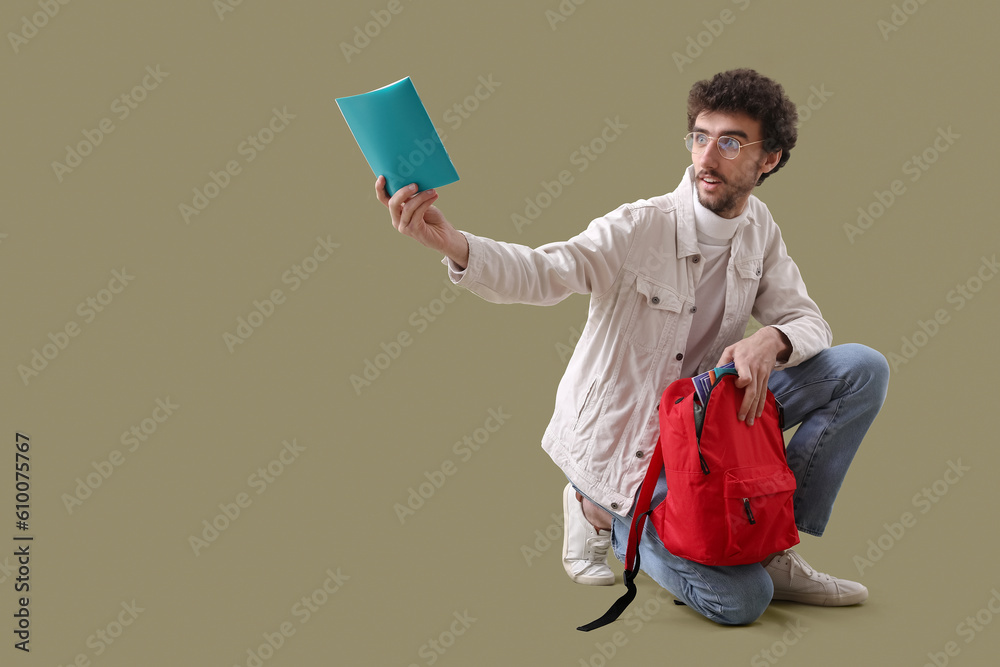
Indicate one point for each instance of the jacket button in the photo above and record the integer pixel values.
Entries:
(696, 259)
(679, 356)
(758, 271)
(655, 300)
(614, 506)
(694, 309)
(638, 455)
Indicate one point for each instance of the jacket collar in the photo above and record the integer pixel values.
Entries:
(687, 238)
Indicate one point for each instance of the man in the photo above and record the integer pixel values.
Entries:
(673, 281)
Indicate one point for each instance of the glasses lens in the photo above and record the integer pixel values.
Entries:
(696, 141)
(729, 147)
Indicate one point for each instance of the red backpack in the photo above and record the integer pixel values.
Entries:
(729, 499)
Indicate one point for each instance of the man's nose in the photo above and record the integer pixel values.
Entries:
(710, 157)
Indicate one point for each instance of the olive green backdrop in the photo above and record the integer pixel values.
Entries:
(211, 491)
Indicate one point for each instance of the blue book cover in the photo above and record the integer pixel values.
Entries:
(397, 137)
(703, 383)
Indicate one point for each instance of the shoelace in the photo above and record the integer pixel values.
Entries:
(797, 562)
(599, 547)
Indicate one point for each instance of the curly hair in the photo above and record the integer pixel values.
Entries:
(761, 98)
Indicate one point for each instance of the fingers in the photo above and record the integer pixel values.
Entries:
(755, 406)
(398, 199)
(762, 401)
(396, 202)
(745, 376)
(380, 192)
(754, 399)
(414, 208)
(749, 405)
(749, 381)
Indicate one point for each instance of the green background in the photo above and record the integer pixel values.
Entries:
(332, 507)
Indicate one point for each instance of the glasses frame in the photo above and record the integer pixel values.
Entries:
(716, 140)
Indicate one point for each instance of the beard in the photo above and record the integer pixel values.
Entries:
(731, 194)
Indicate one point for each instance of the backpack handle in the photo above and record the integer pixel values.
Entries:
(723, 372)
(716, 375)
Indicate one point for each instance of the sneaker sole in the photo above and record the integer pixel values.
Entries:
(823, 600)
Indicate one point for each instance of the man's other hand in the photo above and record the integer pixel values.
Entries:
(755, 357)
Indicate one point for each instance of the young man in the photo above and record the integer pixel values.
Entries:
(673, 281)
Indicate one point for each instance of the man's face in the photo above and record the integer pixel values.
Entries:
(725, 185)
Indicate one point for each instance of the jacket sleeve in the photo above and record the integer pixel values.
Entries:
(588, 263)
(783, 302)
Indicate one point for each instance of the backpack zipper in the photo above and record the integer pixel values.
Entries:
(746, 507)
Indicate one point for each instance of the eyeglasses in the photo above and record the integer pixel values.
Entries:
(729, 147)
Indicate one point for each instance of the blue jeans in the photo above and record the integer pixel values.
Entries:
(833, 398)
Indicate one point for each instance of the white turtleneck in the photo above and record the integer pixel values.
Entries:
(715, 238)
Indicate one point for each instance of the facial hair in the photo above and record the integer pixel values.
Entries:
(733, 191)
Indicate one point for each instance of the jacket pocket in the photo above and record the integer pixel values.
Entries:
(588, 399)
(759, 511)
(655, 307)
(750, 269)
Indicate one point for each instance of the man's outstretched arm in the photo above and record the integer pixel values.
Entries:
(502, 272)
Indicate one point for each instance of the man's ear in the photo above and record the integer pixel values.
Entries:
(771, 161)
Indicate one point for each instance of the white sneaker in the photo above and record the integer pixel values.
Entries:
(796, 581)
(585, 549)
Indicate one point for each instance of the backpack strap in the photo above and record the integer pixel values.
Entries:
(639, 514)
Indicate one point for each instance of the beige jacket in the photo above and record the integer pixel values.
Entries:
(640, 264)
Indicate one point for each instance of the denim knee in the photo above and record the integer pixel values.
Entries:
(745, 606)
(869, 370)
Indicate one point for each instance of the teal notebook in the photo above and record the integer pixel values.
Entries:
(397, 137)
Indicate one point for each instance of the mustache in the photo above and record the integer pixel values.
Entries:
(710, 174)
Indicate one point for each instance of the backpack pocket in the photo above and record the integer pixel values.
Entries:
(759, 512)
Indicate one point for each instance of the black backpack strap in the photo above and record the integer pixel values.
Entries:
(612, 614)
(639, 514)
